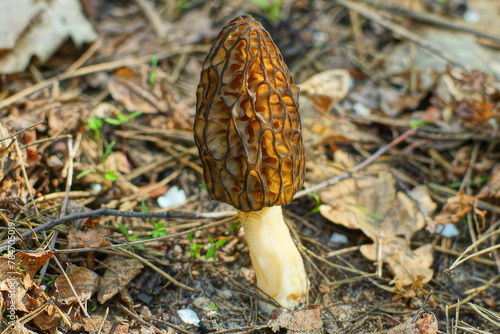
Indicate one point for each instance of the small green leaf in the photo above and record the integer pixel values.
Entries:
(213, 306)
(110, 175)
(107, 152)
(211, 240)
(210, 253)
(159, 225)
(124, 230)
(152, 77)
(416, 123)
(133, 115)
(220, 242)
(85, 172)
(235, 225)
(202, 186)
(154, 61)
(112, 121)
(95, 126)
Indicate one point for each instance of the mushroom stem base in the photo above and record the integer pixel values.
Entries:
(278, 266)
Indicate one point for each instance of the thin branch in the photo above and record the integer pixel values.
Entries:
(104, 211)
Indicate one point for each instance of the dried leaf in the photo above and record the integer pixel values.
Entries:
(119, 273)
(89, 238)
(37, 28)
(455, 208)
(83, 280)
(426, 324)
(30, 262)
(388, 217)
(326, 88)
(307, 320)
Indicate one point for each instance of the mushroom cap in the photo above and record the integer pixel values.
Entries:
(247, 126)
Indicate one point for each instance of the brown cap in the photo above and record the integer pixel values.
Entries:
(247, 127)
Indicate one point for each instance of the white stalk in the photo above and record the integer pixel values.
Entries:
(276, 260)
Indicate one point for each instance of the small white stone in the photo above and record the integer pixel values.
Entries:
(338, 238)
(174, 196)
(361, 110)
(447, 231)
(188, 316)
(96, 187)
(472, 17)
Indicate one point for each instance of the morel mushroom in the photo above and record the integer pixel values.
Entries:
(248, 133)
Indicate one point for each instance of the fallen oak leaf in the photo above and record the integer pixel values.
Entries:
(84, 281)
(120, 271)
(388, 217)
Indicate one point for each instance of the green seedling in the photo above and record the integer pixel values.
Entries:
(108, 174)
(93, 304)
(194, 251)
(154, 72)
(48, 280)
(212, 250)
(130, 237)
(235, 225)
(271, 8)
(122, 118)
(202, 186)
(158, 227)
(369, 214)
(213, 306)
(95, 127)
(318, 203)
(416, 123)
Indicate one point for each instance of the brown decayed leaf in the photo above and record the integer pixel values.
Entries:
(90, 238)
(130, 88)
(455, 208)
(19, 328)
(426, 324)
(30, 262)
(326, 88)
(120, 271)
(48, 320)
(388, 217)
(114, 323)
(307, 320)
(83, 280)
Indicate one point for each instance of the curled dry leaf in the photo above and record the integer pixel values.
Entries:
(326, 88)
(388, 217)
(455, 208)
(83, 280)
(30, 262)
(120, 271)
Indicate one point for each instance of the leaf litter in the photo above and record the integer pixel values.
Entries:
(362, 87)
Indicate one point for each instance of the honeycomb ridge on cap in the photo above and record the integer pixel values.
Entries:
(247, 124)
